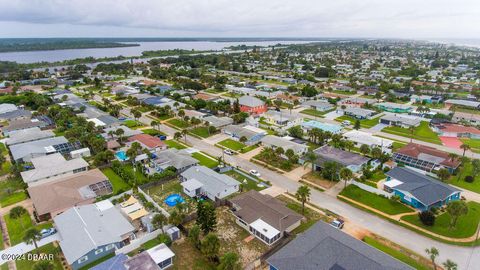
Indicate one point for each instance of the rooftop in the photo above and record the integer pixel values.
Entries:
(330, 153)
(430, 154)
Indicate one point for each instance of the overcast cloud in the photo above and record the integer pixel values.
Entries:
(243, 18)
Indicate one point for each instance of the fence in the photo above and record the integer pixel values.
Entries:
(372, 189)
(136, 243)
(148, 198)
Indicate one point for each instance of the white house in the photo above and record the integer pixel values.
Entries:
(202, 181)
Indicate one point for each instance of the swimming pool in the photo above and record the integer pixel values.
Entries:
(121, 155)
(173, 199)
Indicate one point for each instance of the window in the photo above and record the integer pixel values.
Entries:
(98, 251)
(83, 259)
(109, 247)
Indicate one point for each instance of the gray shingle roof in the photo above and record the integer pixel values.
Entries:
(323, 247)
(28, 135)
(330, 153)
(426, 189)
(211, 180)
(35, 147)
(250, 101)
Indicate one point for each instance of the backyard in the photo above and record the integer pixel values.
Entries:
(160, 192)
(378, 202)
(466, 225)
(423, 132)
(16, 227)
(117, 182)
(11, 191)
(458, 180)
(364, 123)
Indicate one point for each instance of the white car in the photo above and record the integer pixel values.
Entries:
(228, 152)
(255, 173)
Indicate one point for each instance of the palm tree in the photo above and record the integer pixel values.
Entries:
(411, 129)
(43, 265)
(465, 147)
(346, 174)
(17, 212)
(303, 195)
(452, 156)
(310, 157)
(154, 123)
(31, 236)
(184, 134)
(450, 265)
(432, 253)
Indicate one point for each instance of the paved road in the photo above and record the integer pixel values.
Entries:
(23, 248)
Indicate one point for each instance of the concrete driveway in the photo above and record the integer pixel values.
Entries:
(23, 248)
(334, 114)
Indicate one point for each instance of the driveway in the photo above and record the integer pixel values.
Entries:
(452, 142)
(378, 127)
(23, 248)
(334, 114)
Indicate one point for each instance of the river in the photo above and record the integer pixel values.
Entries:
(61, 55)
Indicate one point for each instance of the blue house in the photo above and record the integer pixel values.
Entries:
(418, 190)
(90, 232)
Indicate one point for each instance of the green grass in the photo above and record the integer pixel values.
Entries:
(466, 225)
(46, 249)
(140, 177)
(16, 227)
(311, 216)
(174, 144)
(249, 148)
(13, 198)
(249, 185)
(6, 168)
(375, 201)
(459, 179)
(473, 143)
(401, 256)
(364, 123)
(151, 243)
(205, 160)
(97, 262)
(132, 123)
(153, 132)
(117, 182)
(423, 132)
(315, 113)
(201, 132)
(232, 144)
(178, 123)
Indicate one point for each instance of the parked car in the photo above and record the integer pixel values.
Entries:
(337, 223)
(228, 152)
(346, 123)
(255, 173)
(47, 232)
(162, 137)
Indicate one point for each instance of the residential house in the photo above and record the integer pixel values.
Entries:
(52, 167)
(180, 160)
(359, 113)
(360, 138)
(394, 107)
(201, 181)
(332, 128)
(356, 101)
(281, 119)
(252, 105)
(15, 115)
(7, 107)
(263, 216)
(218, 122)
(464, 103)
(91, 232)
(127, 132)
(418, 190)
(205, 97)
(470, 118)
(328, 153)
(251, 133)
(325, 247)
(22, 124)
(275, 142)
(319, 105)
(53, 198)
(290, 99)
(457, 131)
(24, 152)
(148, 142)
(425, 158)
(398, 120)
(28, 135)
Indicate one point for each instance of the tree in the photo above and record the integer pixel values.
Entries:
(364, 149)
(346, 174)
(456, 209)
(432, 253)
(177, 135)
(465, 147)
(450, 265)
(158, 221)
(32, 236)
(154, 123)
(176, 217)
(229, 261)
(427, 217)
(310, 158)
(43, 265)
(452, 156)
(476, 166)
(376, 152)
(295, 131)
(194, 236)
(243, 139)
(349, 145)
(303, 195)
(206, 216)
(443, 174)
(17, 212)
(184, 134)
(357, 124)
(210, 246)
(412, 130)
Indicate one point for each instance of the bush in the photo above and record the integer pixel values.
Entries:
(164, 238)
(427, 218)
(469, 179)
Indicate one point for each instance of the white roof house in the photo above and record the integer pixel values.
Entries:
(51, 167)
(26, 151)
(7, 107)
(28, 135)
(161, 255)
(275, 142)
(200, 180)
(360, 137)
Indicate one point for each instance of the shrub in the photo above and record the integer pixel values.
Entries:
(427, 218)
(469, 179)
(164, 238)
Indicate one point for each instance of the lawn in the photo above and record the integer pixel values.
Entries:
(117, 182)
(423, 132)
(201, 132)
(399, 254)
(315, 113)
(248, 185)
(174, 144)
(364, 123)
(205, 160)
(232, 144)
(132, 123)
(6, 168)
(249, 148)
(378, 202)
(46, 249)
(473, 143)
(188, 257)
(16, 227)
(178, 123)
(13, 198)
(276, 161)
(153, 132)
(466, 225)
(140, 177)
(459, 179)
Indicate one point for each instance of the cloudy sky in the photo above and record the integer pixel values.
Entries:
(243, 18)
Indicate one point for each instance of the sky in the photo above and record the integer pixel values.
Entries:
(418, 19)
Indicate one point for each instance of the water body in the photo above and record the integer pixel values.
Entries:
(61, 55)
